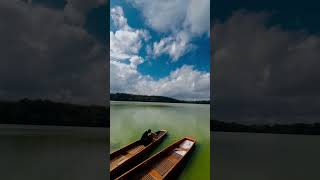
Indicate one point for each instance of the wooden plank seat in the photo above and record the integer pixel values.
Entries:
(164, 166)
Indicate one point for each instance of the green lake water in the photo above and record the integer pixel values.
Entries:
(128, 120)
(252, 156)
(34, 152)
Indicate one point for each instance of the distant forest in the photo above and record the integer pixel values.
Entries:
(143, 98)
(45, 112)
(298, 128)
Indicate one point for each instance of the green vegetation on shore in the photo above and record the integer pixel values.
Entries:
(45, 112)
(143, 98)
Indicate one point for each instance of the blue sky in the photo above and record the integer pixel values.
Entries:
(160, 48)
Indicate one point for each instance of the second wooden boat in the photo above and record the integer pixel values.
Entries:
(129, 156)
(163, 165)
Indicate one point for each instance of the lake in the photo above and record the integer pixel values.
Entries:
(128, 120)
(251, 156)
(53, 152)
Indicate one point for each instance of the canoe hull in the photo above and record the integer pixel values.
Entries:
(136, 159)
(176, 171)
(166, 164)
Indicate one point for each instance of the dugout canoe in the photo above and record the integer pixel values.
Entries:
(166, 164)
(129, 156)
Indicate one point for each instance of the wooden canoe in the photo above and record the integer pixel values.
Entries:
(127, 157)
(165, 164)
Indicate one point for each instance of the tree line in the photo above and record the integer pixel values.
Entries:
(46, 112)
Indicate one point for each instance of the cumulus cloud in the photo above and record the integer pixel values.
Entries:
(118, 18)
(264, 73)
(135, 61)
(172, 16)
(126, 42)
(183, 83)
(175, 46)
(75, 10)
(43, 55)
(182, 19)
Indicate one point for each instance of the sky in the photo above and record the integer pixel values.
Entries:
(160, 48)
(265, 61)
(54, 49)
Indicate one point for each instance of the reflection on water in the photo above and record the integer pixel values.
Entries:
(53, 153)
(251, 156)
(130, 119)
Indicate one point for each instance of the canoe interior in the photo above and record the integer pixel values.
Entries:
(127, 153)
(161, 165)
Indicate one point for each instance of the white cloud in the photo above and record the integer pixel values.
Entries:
(75, 10)
(163, 16)
(183, 83)
(198, 17)
(118, 18)
(125, 43)
(269, 79)
(174, 15)
(51, 58)
(174, 46)
(135, 61)
(190, 18)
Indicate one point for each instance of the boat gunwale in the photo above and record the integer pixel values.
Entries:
(124, 149)
(160, 154)
(114, 153)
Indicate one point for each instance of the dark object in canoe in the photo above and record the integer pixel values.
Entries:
(127, 157)
(165, 164)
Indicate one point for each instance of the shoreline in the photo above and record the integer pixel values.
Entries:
(41, 130)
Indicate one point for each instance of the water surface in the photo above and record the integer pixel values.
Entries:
(128, 120)
(252, 156)
(53, 152)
